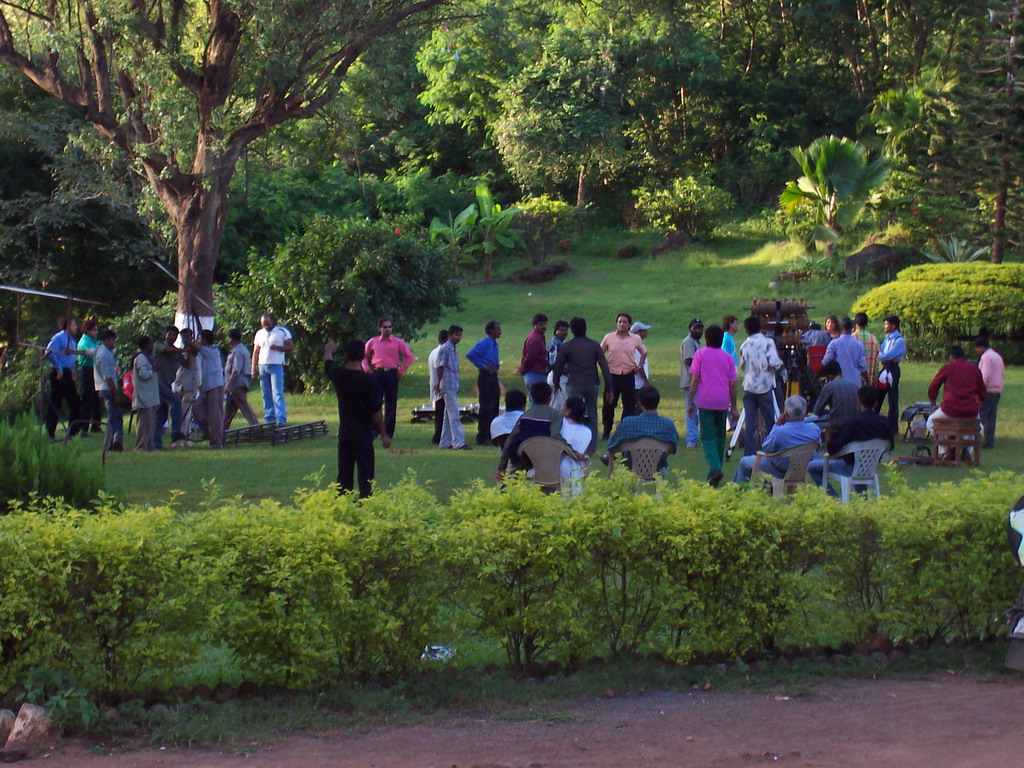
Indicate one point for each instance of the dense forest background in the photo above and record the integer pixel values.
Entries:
(594, 104)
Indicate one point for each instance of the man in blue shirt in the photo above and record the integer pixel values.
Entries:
(485, 357)
(891, 352)
(448, 383)
(849, 353)
(790, 430)
(60, 353)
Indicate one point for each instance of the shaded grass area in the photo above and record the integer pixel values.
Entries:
(706, 280)
(244, 725)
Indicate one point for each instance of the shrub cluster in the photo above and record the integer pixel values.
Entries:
(326, 587)
(33, 466)
(692, 203)
(952, 302)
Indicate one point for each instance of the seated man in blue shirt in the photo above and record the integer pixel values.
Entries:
(647, 423)
(790, 430)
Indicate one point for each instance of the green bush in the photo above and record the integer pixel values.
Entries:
(952, 301)
(35, 466)
(98, 598)
(692, 203)
(19, 385)
(545, 221)
(328, 586)
(336, 280)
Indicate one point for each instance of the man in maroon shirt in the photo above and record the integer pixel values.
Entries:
(534, 365)
(963, 389)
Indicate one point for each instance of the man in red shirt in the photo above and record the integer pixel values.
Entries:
(387, 358)
(963, 389)
(534, 365)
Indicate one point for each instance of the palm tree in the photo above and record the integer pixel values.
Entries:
(838, 182)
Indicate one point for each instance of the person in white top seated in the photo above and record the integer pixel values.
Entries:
(576, 432)
(503, 424)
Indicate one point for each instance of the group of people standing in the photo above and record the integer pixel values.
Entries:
(169, 382)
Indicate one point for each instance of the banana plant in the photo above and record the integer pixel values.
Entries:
(483, 227)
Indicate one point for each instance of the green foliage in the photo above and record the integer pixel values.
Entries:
(545, 221)
(19, 385)
(335, 281)
(479, 231)
(98, 599)
(837, 183)
(36, 467)
(692, 204)
(326, 586)
(953, 250)
(952, 301)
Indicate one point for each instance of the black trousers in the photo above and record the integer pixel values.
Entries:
(355, 456)
(622, 384)
(60, 390)
(92, 408)
(893, 395)
(490, 403)
(438, 420)
(387, 380)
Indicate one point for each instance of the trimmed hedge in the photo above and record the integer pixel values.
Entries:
(951, 302)
(327, 587)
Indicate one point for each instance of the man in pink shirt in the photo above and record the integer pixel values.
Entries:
(620, 347)
(534, 364)
(992, 371)
(388, 358)
(713, 395)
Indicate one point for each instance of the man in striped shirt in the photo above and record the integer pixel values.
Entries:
(865, 337)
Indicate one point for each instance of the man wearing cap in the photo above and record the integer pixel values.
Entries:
(387, 358)
(621, 347)
(689, 348)
(642, 378)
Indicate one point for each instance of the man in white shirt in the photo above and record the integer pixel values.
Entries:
(760, 362)
(270, 345)
(435, 393)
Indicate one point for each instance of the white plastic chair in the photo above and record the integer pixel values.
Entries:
(866, 455)
(796, 469)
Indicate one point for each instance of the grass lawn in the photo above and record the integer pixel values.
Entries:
(707, 280)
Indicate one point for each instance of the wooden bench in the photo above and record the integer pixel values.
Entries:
(957, 441)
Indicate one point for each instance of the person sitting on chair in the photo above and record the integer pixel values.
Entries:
(541, 420)
(866, 425)
(502, 426)
(838, 398)
(963, 390)
(790, 430)
(647, 423)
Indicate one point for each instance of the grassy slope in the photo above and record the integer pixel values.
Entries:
(703, 280)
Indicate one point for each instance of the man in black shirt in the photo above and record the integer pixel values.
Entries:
(359, 407)
(582, 359)
(866, 425)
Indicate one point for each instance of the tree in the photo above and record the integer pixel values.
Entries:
(183, 87)
(336, 279)
(837, 183)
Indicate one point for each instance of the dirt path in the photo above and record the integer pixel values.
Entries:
(944, 722)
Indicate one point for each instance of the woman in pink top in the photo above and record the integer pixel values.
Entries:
(713, 395)
(620, 347)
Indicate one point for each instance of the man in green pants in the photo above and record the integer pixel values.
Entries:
(713, 396)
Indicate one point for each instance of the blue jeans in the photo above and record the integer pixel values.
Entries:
(769, 466)
(115, 421)
(272, 386)
(692, 423)
(816, 470)
(753, 404)
(529, 379)
(170, 403)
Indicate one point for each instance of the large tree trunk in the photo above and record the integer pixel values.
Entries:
(199, 229)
